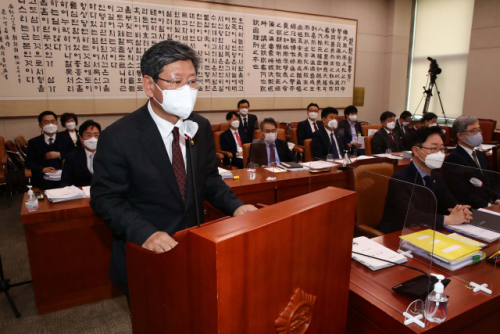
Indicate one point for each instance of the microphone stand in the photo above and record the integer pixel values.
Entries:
(189, 147)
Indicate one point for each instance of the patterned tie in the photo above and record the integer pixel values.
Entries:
(392, 140)
(272, 155)
(245, 124)
(315, 126)
(474, 155)
(238, 138)
(333, 149)
(178, 163)
(51, 141)
(91, 157)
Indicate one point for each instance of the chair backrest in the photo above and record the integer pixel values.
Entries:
(293, 136)
(9, 144)
(246, 153)
(447, 135)
(223, 126)
(368, 145)
(488, 127)
(371, 182)
(215, 128)
(340, 118)
(365, 128)
(21, 141)
(308, 155)
(294, 125)
(3, 154)
(217, 140)
(280, 135)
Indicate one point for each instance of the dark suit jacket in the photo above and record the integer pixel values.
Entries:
(134, 189)
(345, 130)
(65, 133)
(320, 144)
(304, 131)
(408, 203)
(227, 142)
(459, 168)
(75, 171)
(253, 124)
(381, 142)
(258, 152)
(35, 158)
(406, 136)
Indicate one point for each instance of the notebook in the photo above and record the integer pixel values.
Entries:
(486, 219)
(372, 248)
(475, 232)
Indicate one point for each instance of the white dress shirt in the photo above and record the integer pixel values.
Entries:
(73, 136)
(48, 137)
(311, 123)
(238, 147)
(90, 160)
(335, 139)
(165, 128)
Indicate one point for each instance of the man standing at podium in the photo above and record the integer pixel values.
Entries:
(143, 174)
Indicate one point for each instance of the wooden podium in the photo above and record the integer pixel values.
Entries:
(281, 269)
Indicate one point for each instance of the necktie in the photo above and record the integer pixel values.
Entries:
(429, 183)
(51, 141)
(392, 140)
(333, 148)
(315, 126)
(245, 124)
(272, 155)
(474, 155)
(178, 163)
(91, 158)
(238, 138)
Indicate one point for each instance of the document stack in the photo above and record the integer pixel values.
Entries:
(318, 166)
(64, 194)
(225, 173)
(53, 176)
(371, 248)
(444, 251)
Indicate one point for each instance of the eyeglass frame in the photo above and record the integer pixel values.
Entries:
(474, 131)
(443, 149)
(184, 82)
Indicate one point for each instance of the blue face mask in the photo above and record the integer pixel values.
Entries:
(474, 140)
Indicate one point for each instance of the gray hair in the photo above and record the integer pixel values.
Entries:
(462, 122)
(164, 53)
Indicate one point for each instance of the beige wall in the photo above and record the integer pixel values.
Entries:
(483, 69)
(381, 65)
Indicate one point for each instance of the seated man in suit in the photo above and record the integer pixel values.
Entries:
(248, 122)
(351, 129)
(402, 126)
(79, 165)
(305, 129)
(270, 151)
(326, 140)
(429, 119)
(466, 162)
(47, 151)
(70, 121)
(232, 139)
(386, 138)
(418, 194)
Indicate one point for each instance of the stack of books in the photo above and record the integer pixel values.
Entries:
(64, 194)
(225, 173)
(53, 176)
(444, 251)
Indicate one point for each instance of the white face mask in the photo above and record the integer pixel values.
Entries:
(434, 160)
(432, 125)
(235, 124)
(405, 123)
(270, 138)
(50, 128)
(91, 143)
(333, 124)
(178, 102)
(71, 126)
(353, 118)
(391, 125)
(313, 115)
(244, 112)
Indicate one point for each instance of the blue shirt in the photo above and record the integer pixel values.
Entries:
(268, 149)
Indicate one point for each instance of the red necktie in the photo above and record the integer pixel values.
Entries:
(315, 126)
(272, 155)
(392, 139)
(238, 138)
(178, 164)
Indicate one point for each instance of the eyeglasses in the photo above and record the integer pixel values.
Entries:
(474, 131)
(270, 131)
(52, 121)
(179, 83)
(435, 149)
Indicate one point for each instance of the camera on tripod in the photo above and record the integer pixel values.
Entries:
(434, 69)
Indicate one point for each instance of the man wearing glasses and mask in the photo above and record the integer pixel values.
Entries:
(142, 186)
(466, 162)
(409, 201)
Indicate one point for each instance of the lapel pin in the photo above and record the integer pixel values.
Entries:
(192, 142)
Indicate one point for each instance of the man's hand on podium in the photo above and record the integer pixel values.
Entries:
(160, 242)
(244, 209)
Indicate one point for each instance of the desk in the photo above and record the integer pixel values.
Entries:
(374, 307)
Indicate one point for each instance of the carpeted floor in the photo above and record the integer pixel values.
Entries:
(109, 316)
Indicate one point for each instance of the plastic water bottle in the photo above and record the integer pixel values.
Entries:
(32, 201)
(436, 305)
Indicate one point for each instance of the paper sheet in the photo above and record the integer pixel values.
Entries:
(275, 169)
(86, 190)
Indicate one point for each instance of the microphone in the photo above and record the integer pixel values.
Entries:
(478, 183)
(189, 129)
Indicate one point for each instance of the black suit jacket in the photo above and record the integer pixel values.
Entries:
(345, 130)
(320, 144)
(405, 136)
(35, 158)
(304, 131)
(459, 168)
(258, 152)
(227, 142)
(408, 203)
(65, 133)
(75, 171)
(381, 142)
(253, 124)
(134, 189)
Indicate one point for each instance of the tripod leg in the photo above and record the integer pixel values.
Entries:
(14, 308)
(22, 283)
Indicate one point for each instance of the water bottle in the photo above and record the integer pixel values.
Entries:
(436, 305)
(32, 201)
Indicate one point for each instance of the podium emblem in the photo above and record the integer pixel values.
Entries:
(296, 317)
